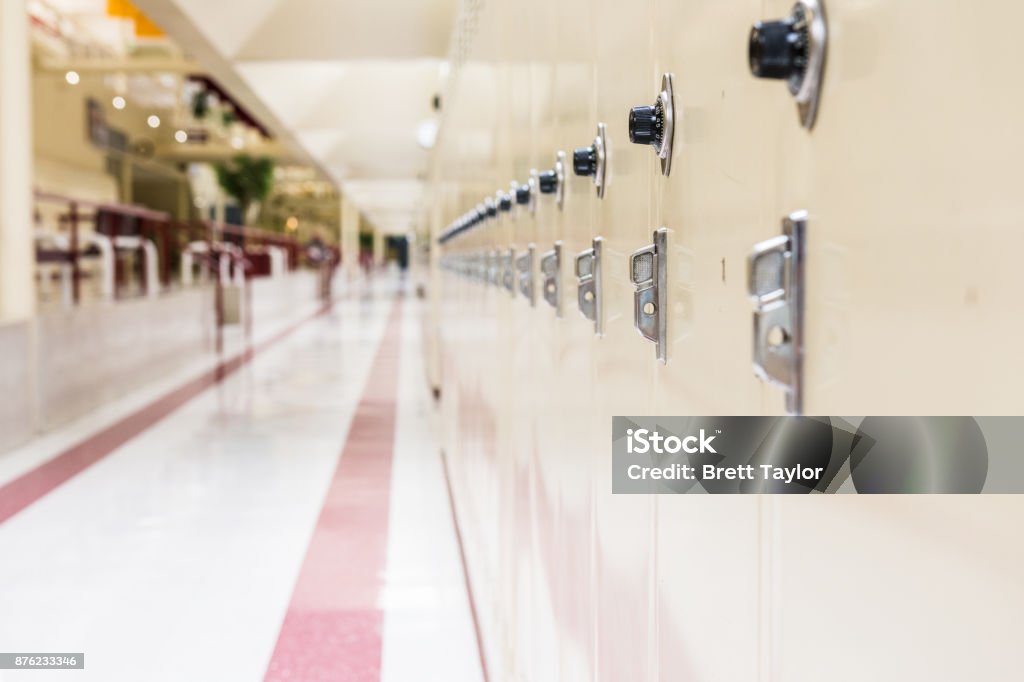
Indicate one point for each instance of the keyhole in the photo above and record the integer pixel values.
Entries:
(777, 336)
(649, 308)
(588, 296)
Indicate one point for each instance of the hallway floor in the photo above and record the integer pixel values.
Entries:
(280, 516)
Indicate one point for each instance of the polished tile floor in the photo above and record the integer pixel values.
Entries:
(287, 522)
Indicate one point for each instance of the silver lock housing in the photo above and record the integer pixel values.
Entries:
(648, 270)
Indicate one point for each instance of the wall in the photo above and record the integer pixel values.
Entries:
(92, 354)
(66, 162)
(65, 363)
(910, 179)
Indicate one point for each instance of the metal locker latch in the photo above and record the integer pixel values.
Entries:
(588, 289)
(494, 267)
(648, 268)
(507, 274)
(524, 264)
(776, 280)
(551, 270)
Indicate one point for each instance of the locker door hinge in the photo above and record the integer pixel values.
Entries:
(588, 289)
(776, 280)
(648, 268)
(551, 276)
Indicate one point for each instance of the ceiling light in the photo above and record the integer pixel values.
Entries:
(181, 136)
(118, 102)
(292, 224)
(72, 78)
(153, 121)
(237, 142)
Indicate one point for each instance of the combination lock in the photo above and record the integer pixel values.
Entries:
(793, 50)
(490, 207)
(553, 181)
(522, 193)
(654, 124)
(504, 202)
(592, 161)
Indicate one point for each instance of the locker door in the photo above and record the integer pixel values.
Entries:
(565, 459)
(714, 206)
(538, 633)
(713, 203)
(912, 180)
(623, 361)
(911, 177)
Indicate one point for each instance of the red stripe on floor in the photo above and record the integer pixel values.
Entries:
(21, 492)
(333, 629)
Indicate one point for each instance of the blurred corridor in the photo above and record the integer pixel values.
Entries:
(280, 517)
(339, 341)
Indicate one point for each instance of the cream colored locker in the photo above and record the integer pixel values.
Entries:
(518, 99)
(708, 548)
(538, 631)
(911, 178)
(564, 465)
(623, 363)
(713, 203)
(471, 400)
(895, 588)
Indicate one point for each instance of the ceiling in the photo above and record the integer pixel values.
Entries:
(349, 82)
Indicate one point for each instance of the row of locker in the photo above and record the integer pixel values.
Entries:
(775, 273)
(791, 49)
(911, 306)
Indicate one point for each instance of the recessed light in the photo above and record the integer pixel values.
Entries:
(181, 136)
(72, 78)
(119, 102)
(153, 121)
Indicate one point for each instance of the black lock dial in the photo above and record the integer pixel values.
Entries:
(779, 49)
(491, 208)
(504, 202)
(523, 195)
(548, 181)
(647, 124)
(584, 161)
